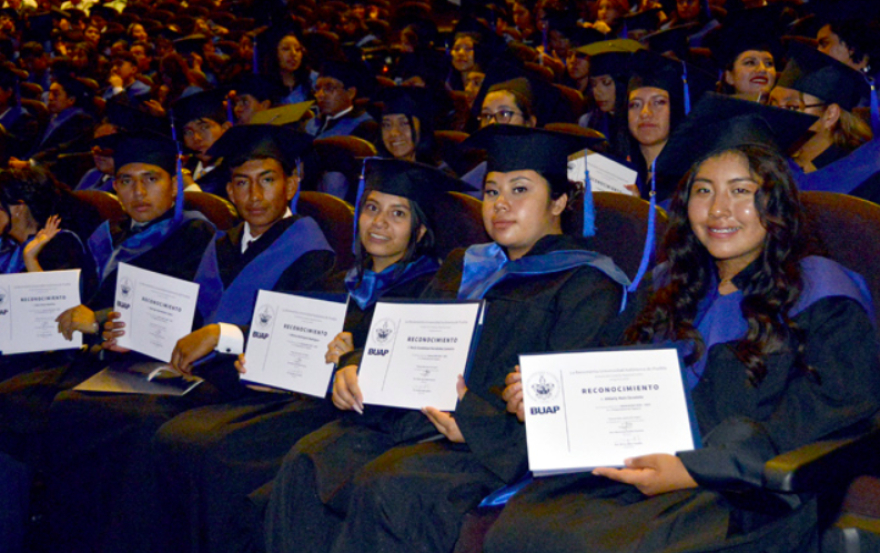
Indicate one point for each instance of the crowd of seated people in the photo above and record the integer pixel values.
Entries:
(113, 115)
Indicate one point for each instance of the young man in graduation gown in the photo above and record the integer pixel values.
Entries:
(335, 90)
(373, 482)
(157, 235)
(200, 120)
(101, 490)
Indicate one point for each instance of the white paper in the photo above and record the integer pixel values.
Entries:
(29, 305)
(415, 352)
(157, 310)
(288, 339)
(596, 409)
(606, 175)
(153, 378)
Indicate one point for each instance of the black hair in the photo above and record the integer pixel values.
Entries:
(34, 187)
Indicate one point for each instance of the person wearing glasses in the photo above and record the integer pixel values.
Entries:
(335, 90)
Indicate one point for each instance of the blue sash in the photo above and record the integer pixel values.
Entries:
(373, 284)
(237, 302)
(845, 174)
(107, 258)
(485, 265)
(12, 259)
(59, 120)
(342, 127)
(11, 116)
(719, 318)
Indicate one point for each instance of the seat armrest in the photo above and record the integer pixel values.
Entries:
(820, 464)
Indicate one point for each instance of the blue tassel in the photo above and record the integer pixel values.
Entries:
(295, 200)
(589, 228)
(649, 240)
(687, 91)
(357, 204)
(230, 116)
(178, 205)
(255, 69)
(875, 107)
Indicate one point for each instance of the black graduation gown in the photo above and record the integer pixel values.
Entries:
(25, 398)
(742, 427)
(208, 459)
(355, 485)
(102, 490)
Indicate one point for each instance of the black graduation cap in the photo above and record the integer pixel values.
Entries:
(207, 104)
(415, 181)
(349, 74)
(191, 44)
(645, 20)
(582, 36)
(752, 29)
(145, 147)
(408, 100)
(124, 116)
(519, 85)
(834, 11)
(822, 76)
(718, 123)
(75, 88)
(653, 70)
(110, 141)
(610, 57)
(257, 86)
(562, 21)
(244, 142)
(674, 39)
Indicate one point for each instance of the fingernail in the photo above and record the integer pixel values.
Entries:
(358, 409)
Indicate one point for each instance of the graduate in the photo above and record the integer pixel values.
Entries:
(364, 483)
(335, 91)
(408, 125)
(101, 489)
(780, 350)
(747, 49)
(220, 453)
(156, 235)
(200, 120)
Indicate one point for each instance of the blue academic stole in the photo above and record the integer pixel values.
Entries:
(12, 259)
(59, 120)
(845, 174)
(236, 303)
(372, 285)
(485, 265)
(343, 126)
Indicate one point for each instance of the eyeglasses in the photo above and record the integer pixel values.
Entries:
(328, 89)
(502, 117)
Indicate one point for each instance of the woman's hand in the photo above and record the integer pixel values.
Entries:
(155, 108)
(346, 392)
(35, 246)
(443, 421)
(79, 318)
(513, 394)
(343, 343)
(652, 474)
(112, 331)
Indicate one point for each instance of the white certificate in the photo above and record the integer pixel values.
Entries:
(157, 310)
(288, 339)
(595, 409)
(415, 352)
(29, 305)
(606, 175)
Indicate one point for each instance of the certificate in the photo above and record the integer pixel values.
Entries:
(29, 305)
(287, 341)
(606, 175)
(415, 352)
(595, 409)
(157, 310)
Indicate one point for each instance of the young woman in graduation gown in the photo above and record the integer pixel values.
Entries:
(209, 458)
(780, 350)
(369, 482)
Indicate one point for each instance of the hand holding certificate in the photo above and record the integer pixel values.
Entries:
(29, 306)
(415, 352)
(596, 409)
(288, 339)
(157, 310)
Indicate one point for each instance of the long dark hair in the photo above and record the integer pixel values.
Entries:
(415, 248)
(427, 151)
(770, 294)
(36, 188)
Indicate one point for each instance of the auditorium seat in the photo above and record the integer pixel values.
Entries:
(70, 168)
(107, 205)
(572, 128)
(217, 210)
(845, 471)
(461, 224)
(541, 71)
(352, 145)
(621, 228)
(39, 110)
(573, 96)
(336, 219)
(31, 91)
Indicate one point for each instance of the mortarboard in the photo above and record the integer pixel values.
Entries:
(207, 104)
(610, 57)
(752, 29)
(718, 123)
(148, 148)
(812, 72)
(684, 82)
(416, 181)
(191, 44)
(349, 74)
(645, 21)
(674, 39)
(126, 117)
(255, 85)
(244, 142)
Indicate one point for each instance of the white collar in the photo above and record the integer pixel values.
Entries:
(247, 237)
(340, 114)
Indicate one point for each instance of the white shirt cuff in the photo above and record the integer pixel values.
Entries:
(231, 339)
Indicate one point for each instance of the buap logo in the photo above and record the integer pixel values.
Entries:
(126, 288)
(4, 297)
(384, 331)
(265, 314)
(543, 387)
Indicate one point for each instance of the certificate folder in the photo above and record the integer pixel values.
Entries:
(416, 350)
(288, 338)
(597, 408)
(137, 376)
